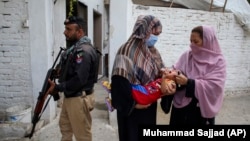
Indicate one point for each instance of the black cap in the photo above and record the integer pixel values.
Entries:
(76, 20)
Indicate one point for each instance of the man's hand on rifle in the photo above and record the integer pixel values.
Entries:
(56, 72)
(51, 89)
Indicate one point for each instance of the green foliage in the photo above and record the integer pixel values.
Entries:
(71, 7)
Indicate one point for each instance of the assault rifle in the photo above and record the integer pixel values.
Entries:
(40, 107)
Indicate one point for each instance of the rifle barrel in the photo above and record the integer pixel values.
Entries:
(42, 97)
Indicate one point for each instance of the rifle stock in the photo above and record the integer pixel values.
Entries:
(40, 107)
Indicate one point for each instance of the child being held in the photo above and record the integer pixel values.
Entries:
(149, 93)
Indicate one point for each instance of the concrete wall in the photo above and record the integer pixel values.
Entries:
(177, 24)
(30, 32)
(15, 72)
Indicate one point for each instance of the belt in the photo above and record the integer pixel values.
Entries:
(73, 95)
(88, 92)
(83, 93)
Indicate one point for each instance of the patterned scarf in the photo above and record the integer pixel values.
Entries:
(134, 61)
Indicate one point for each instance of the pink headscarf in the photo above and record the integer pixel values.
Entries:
(207, 66)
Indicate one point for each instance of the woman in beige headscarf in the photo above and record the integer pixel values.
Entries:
(136, 64)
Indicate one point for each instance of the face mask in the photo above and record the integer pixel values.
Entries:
(195, 49)
(151, 40)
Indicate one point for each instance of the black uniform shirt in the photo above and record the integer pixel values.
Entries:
(80, 71)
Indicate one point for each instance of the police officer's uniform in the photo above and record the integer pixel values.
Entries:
(77, 83)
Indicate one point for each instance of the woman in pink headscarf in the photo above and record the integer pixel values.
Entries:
(201, 80)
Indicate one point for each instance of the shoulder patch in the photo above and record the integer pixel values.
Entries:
(79, 57)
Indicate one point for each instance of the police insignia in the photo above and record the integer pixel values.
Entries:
(79, 58)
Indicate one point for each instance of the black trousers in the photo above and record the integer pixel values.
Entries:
(189, 115)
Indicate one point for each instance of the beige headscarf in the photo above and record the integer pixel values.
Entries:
(134, 60)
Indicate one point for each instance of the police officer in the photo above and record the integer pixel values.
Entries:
(77, 77)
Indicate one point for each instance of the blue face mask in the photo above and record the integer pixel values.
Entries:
(151, 40)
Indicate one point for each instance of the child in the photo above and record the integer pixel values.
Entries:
(149, 93)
